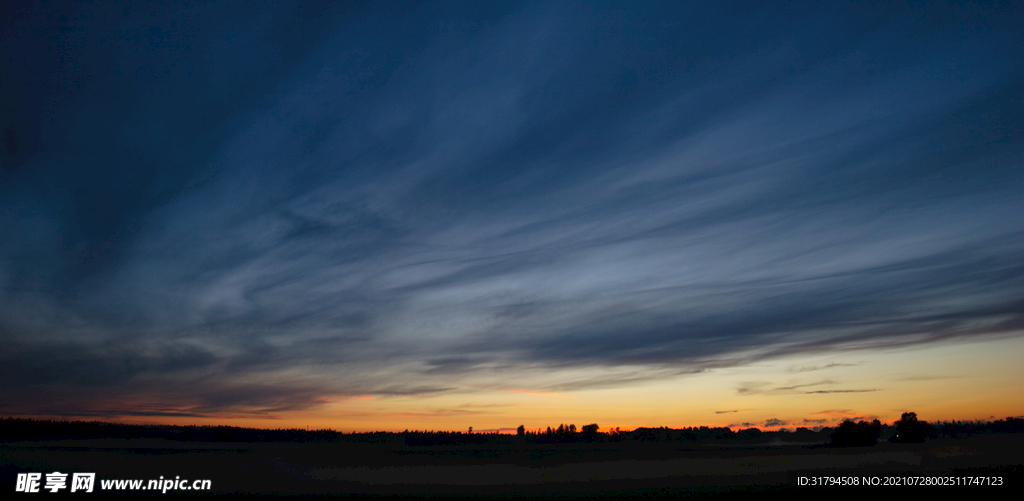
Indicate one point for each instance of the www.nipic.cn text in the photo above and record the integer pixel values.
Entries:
(86, 482)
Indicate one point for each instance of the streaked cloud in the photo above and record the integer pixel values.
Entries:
(842, 391)
(537, 393)
(239, 210)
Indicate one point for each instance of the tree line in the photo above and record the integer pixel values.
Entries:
(908, 429)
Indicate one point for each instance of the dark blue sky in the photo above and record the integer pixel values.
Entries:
(238, 208)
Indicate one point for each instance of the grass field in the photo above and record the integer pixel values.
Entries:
(558, 470)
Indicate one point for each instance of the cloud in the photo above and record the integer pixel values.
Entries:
(538, 393)
(411, 201)
(841, 391)
(751, 387)
(837, 415)
(765, 387)
(797, 386)
(823, 367)
(926, 377)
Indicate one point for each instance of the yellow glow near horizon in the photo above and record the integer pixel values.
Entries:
(962, 381)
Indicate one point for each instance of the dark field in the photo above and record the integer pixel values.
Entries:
(579, 470)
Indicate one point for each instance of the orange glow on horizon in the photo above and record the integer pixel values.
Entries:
(956, 381)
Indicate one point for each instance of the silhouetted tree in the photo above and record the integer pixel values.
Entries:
(650, 435)
(910, 430)
(589, 432)
(748, 434)
(521, 430)
(850, 434)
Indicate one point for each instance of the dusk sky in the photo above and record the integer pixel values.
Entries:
(436, 215)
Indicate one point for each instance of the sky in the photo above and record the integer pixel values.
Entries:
(435, 215)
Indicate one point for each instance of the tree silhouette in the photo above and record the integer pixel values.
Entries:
(850, 434)
(521, 430)
(909, 429)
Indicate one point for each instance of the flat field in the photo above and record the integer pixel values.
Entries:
(561, 471)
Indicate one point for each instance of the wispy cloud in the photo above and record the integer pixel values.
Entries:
(248, 214)
(842, 391)
(925, 377)
(821, 367)
(537, 393)
(765, 387)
